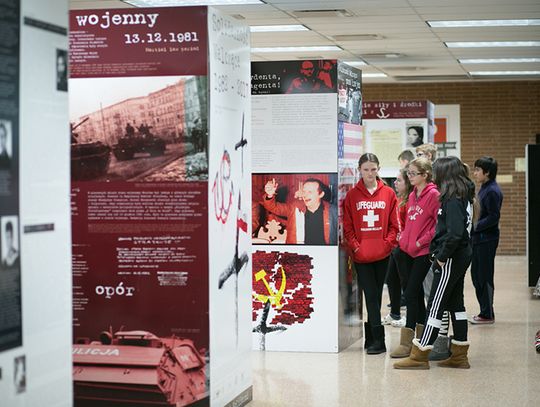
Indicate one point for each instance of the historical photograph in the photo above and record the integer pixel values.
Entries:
(61, 70)
(9, 237)
(180, 366)
(139, 129)
(294, 209)
(5, 144)
(291, 77)
(19, 374)
(415, 135)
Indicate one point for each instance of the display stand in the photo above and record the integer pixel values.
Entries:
(532, 154)
(393, 126)
(35, 264)
(160, 153)
(306, 144)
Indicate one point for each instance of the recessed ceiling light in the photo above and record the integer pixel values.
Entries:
(504, 73)
(296, 49)
(489, 44)
(483, 23)
(169, 3)
(374, 75)
(497, 60)
(277, 28)
(355, 63)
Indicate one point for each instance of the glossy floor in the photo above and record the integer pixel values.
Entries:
(505, 369)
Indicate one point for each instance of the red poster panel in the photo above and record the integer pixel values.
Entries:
(136, 42)
(440, 130)
(395, 109)
(139, 172)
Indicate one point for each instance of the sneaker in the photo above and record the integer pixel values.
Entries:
(387, 320)
(478, 320)
(537, 342)
(399, 323)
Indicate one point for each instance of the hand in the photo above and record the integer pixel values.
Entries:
(440, 263)
(299, 194)
(417, 244)
(270, 188)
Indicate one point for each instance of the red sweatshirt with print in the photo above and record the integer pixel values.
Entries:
(370, 222)
(421, 220)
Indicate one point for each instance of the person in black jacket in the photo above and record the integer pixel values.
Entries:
(451, 252)
(485, 238)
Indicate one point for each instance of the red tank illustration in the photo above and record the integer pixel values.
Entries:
(136, 368)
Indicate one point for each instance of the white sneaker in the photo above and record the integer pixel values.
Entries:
(387, 320)
(399, 323)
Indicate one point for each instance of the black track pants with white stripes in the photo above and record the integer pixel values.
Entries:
(447, 295)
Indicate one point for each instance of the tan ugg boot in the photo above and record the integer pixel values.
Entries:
(458, 359)
(419, 331)
(418, 360)
(405, 344)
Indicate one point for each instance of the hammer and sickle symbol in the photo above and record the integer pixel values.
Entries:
(273, 297)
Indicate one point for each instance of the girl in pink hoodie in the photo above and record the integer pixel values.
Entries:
(422, 208)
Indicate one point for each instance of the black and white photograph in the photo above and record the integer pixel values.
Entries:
(5, 144)
(61, 70)
(9, 239)
(349, 90)
(415, 135)
(19, 374)
(139, 129)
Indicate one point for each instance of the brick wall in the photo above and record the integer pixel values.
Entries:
(497, 119)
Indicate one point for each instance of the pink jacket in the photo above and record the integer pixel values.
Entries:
(421, 221)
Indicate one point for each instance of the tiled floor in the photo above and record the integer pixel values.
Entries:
(505, 367)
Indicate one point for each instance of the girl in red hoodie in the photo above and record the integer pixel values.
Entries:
(422, 208)
(370, 226)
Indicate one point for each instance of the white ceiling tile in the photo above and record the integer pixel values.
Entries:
(400, 22)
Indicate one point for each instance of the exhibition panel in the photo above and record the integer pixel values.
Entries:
(306, 141)
(35, 267)
(151, 122)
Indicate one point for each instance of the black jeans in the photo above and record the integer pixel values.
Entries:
(447, 294)
(482, 272)
(393, 282)
(414, 292)
(371, 280)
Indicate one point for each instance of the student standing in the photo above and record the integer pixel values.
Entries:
(452, 252)
(370, 226)
(485, 238)
(395, 273)
(422, 208)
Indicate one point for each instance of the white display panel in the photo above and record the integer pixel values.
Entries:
(229, 218)
(448, 130)
(295, 132)
(387, 138)
(302, 284)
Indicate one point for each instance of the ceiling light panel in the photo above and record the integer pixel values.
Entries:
(498, 60)
(355, 63)
(483, 23)
(277, 28)
(171, 3)
(504, 73)
(491, 44)
(296, 49)
(374, 75)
